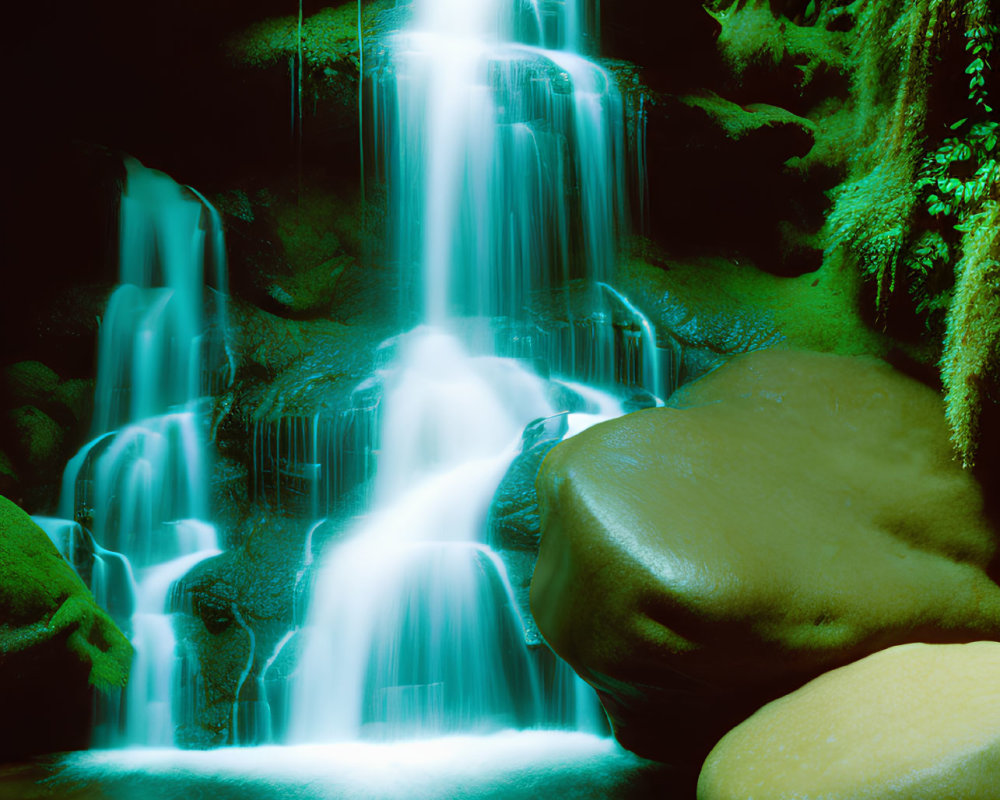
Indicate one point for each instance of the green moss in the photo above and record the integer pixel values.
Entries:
(971, 359)
(753, 35)
(29, 382)
(39, 438)
(817, 311)
(76, 396)
(329, 42)
(7, 467)
(909, 183)
(315, 254)
(738, 121)
(42, 599)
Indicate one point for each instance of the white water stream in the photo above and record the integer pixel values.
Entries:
(502, 146)
(504, 164)
(140, 486)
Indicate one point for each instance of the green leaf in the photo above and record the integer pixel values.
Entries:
(956, 125)
(975, 66)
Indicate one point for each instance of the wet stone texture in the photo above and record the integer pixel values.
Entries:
(786, 514)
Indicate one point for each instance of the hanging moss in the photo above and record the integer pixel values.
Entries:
(753, 34)
(894, 49)
(328, 45)
(971, 360)
(918, 196)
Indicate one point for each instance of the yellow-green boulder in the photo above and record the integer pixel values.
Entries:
(788, 514)
(914, 722)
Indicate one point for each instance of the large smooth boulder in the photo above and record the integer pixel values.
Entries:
(55, 644)
(788, 513)
(914, 722)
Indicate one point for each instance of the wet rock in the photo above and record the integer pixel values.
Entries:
(513, 521)
(513, 526)
(915, 721)
(321, 58)
(680, 53)
(55, 644)
(240, 612)
(789, 513)
(289, 247)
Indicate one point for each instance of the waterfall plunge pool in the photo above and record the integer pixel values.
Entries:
(509, 765)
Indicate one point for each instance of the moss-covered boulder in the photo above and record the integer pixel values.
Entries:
(914, 722)
(789, 513)
(38, 439)
(55, 643)
(28, 382)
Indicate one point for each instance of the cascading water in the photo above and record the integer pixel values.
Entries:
(140, 486)
(502, 147)
(504, 161)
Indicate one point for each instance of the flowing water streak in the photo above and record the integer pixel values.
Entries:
(140, 487)
(251, 653)
(150, 691)
(504, 158)
(411, 626)
(504, 166)
(652, 371)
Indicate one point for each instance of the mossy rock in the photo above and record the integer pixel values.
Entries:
(76, 396)
(42, 598)
(29, 383)
(792, 134)
(38, 438)
(326, 43)
(56, 644)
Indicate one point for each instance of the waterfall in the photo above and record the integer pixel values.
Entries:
(503, 157)
(140, 486)
(502, 148)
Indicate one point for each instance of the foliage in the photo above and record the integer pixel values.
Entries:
(322, 49)
(959, 183)
(913, 210)
(953, 182)
(970, 364)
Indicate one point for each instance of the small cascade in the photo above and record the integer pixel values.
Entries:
(651, 375)
(139, 488)
(412, 628)
(106, 573)
(504, 157)
(150, 693)
(503, 148)
(503, 151)
(314, 465)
